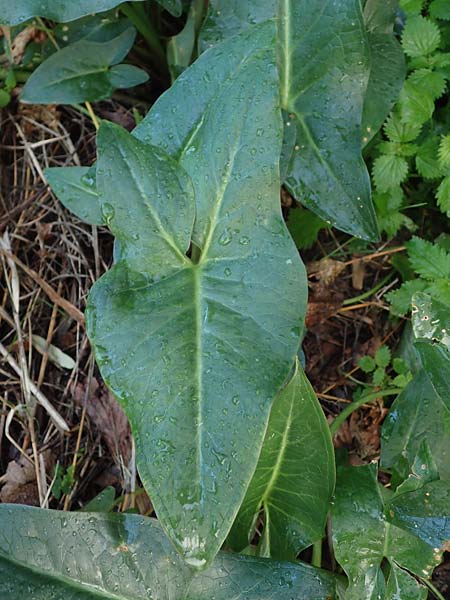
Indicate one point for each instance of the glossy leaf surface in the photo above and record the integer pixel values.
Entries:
(76, 189)
(52, 555)
(324, 68)
(294, 478)
(12, 13)
(195, 351)
(417, 414)
(84, 71)
(431, 319)
(363, 535)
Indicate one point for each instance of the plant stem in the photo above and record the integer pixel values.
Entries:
(140, 20)
(316, 559)
(432, 588)
(365, 295)
(357, 403)
(92, 114)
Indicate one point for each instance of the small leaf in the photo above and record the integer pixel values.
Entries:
(444, 151)
(103, 502)
(440, 9)
(427, 159)
(367, 364)
(84, 556)
(412, 7)
(420, 36)
(399, 131)
(81, 72)
(416, 105)
(436, 362)
(429, 260)
(383, 356)
(284, 484)
(379, 376)
(400, 366)
(400, 299)
(75, 188)
(431, 82)
(304, 226)
(443, 195)
(389, 171)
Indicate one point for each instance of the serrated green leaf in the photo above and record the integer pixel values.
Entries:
(12, 13)
(199, 406)
(325, 171)
(443, 195)
(412, 7)
(399, 131)
(420, 36)
(427, 159)
(431, 82)
(429, 260)
(284, 483)
(383, 356)
(400, 299)
(379, 376)
(367, 364)
(389, 171)
(444, 151)
(75, 188)
(363, 536)
(400, 366)
(417, 414)
(85, 556)
(82, 72)
(415, 104)
(440, 9)
(431, 319)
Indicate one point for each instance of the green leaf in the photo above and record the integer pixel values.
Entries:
(431, 82)
(389, 171)
(193, 351)
(85, 556)
(417, 414)
(401, 585)
(423, 470)
(431, 319)
(63, 11)
(75, 188)
(180, 48)
(420, 37)
(81, 72)
(383, 356)
(425, 513)
(416, 104)
(387, 73)
(427, 159)
(400, 299)
(429, 260)
(379, 376)
(363, 536)
(294, 479)
(379, 15)
(436, 362)
(367, 364)
(304, 226)
(103, 502)
(412, 7)
(399, 131)
(443, 195)
(440, 9)
(444, 151)
(325, 170)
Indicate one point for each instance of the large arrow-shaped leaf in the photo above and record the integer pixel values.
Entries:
(195, 351)
(324, 68)
(51, 555)
(366, 531)
(12, 13)
(294, 478)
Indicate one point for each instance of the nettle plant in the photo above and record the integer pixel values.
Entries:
(197, 325)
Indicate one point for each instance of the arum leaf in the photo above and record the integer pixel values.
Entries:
(180, 48)
(324, 68)
(363, 536)
(84, 71)
(76, 188)
(194, 351)
(84, 556)
(294, 478)
(430, 319)
(12, 13)
(436, 362)
(417, 414)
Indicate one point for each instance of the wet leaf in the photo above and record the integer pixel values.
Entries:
(76, 188)
(323, 60)
(84, 71)
(12, 13)
(83, 556)
(193, 350)
(294, 478)
(417, 414)
(364, 533)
